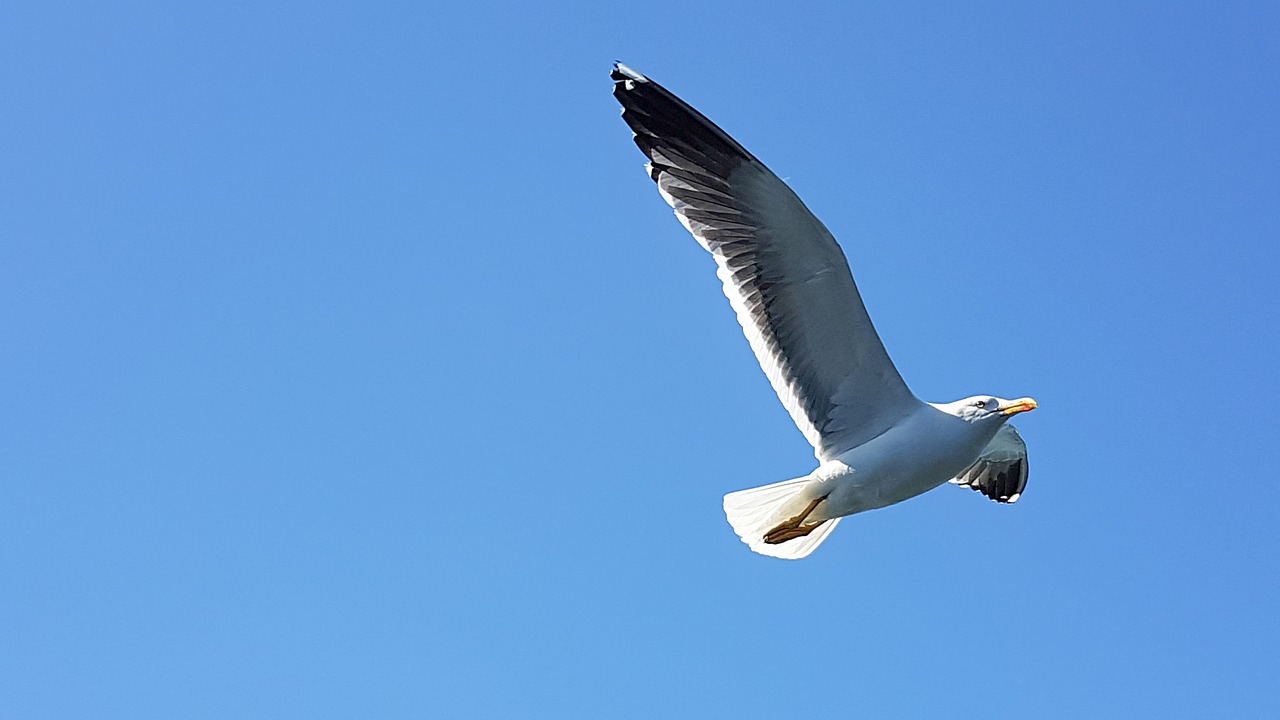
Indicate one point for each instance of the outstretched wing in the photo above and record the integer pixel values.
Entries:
(1000, 472)
(783, 272)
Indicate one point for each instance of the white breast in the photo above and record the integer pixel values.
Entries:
(922, 452)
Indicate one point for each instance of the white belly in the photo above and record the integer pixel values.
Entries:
(921, 453)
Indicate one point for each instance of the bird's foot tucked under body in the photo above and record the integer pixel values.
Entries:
(795, 527)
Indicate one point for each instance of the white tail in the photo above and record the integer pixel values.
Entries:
(756, 511)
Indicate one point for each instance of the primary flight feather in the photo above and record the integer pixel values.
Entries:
(790, 285)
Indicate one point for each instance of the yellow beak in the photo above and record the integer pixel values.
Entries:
(1020, 405)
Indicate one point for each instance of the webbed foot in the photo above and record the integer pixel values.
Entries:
(795, 527)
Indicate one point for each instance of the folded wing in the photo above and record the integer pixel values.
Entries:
(783, 272)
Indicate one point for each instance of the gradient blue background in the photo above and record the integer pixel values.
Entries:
(352, 367)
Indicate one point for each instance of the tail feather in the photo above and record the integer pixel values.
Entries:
(756, 511)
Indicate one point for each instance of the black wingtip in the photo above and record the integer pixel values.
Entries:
(652, 110)
(621, 73)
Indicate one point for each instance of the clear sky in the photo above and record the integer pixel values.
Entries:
(352, 366)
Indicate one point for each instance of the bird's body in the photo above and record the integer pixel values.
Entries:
(791, 288)
(896, 466)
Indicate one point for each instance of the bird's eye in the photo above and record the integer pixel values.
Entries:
(980, 403)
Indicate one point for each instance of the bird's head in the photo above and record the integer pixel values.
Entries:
(987, 408)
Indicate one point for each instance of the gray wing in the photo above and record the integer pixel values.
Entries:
(1000, 472)
(783, 272)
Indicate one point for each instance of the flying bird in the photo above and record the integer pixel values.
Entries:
(789, 283)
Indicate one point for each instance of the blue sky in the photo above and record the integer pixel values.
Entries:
(353, 367)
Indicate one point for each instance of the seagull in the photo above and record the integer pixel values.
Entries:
(876, 443)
